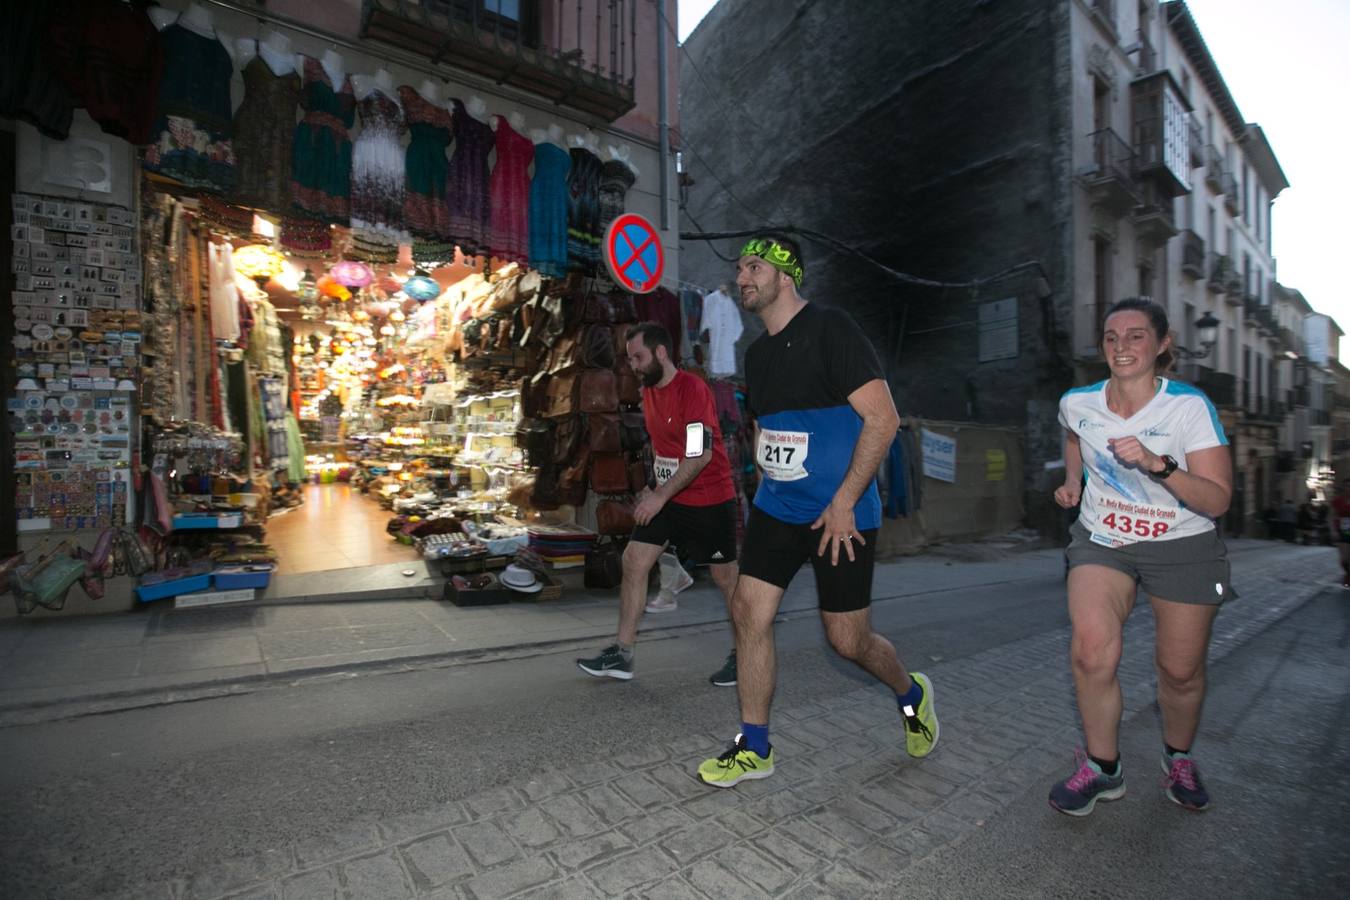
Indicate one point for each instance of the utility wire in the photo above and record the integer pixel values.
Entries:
(841, 247)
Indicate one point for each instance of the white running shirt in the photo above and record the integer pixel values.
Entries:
(1122, 504)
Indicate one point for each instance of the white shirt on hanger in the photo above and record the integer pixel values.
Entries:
(722, 320)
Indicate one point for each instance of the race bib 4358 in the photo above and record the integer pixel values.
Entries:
(782, 454)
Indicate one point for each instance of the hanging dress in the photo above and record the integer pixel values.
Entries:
(108, 55)
(264, 130)
(509, 192)
(378, 171)
(191, 141)
(468, 182)
(425, 212)
(321, 161)
(31, 85)
(224, 293)
(548, 210)
(615, 181)
(583, 212)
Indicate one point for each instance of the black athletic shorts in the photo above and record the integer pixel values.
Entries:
(774, 550)
(704, 534)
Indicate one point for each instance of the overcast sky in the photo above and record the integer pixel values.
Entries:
(1287, 66)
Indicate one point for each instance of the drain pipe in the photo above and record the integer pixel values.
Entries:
(662, 113)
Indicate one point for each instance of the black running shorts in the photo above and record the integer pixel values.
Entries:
(774, 550)
(704, 534)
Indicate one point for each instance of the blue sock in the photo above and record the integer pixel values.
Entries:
(756, 738)
(911, 698)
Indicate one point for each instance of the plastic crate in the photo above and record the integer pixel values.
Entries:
(230, 578)
(172, 587)
(198, 521)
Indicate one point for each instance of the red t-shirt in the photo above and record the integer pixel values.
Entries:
(667, 410)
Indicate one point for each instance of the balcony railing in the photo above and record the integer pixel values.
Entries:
(1106, 10)
(1213, 167)
(1219, 387)
(591, 67)
(1231, 198)
(1112, 178)
(1154, 223)
(1221, 274)
(1148, 57)
(1192, 254)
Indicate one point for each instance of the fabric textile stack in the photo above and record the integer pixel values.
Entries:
(561, 546)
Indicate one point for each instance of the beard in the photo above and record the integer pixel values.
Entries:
(652, 375)
(762, 297)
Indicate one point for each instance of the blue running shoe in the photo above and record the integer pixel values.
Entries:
(1182, 783)
(1078, 794)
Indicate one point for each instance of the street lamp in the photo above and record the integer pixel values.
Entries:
(1207, 328)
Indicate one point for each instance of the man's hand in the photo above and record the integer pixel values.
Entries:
(648, 505)
(1067, 495)
(837, 530)
(1129, 450)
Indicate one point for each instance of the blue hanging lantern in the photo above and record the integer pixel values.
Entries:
(422, 287)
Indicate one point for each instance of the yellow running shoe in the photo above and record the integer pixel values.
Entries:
(921, 725)
(737, 764)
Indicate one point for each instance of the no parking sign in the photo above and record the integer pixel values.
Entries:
(633, 253)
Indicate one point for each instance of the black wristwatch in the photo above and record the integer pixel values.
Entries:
(1169, 466)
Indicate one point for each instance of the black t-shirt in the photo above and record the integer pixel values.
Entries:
(797, 386)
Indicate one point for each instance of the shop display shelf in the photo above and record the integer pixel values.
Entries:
(198, 521)
(228, 578)
(172, 582)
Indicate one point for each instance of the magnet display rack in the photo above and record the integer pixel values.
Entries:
(77, 356)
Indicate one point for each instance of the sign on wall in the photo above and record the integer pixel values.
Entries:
(939, 455)
(998, 330)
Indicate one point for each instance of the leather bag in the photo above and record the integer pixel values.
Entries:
(597, 391)
(562, 392)
(534, 395)
(622, 307)
(535, 438)
(620, 333)
(633, 429)
(597, 347)
(637, 476)
(628, 387)
(566, 353)
(572, 482)
(609, 473)
(614, 516)
(567, 440)
(604, 433)
(604, 565)
(596, 308)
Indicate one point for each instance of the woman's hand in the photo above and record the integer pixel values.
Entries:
(1067, 495)
(1129, 450)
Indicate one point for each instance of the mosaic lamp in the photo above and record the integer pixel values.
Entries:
(259, 262)
(422, 287)
(352, 274)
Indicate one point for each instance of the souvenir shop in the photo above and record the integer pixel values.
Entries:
(350, 319)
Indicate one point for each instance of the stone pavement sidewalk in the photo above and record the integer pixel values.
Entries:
(845, 815)
(161, 655)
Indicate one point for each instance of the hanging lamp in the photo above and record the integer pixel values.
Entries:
(422, 287)
(259, 262)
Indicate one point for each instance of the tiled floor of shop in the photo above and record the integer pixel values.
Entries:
(335, 528)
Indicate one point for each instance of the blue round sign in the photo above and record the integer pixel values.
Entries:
(633, 253)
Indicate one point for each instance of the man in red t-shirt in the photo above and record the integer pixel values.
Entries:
(690, 501)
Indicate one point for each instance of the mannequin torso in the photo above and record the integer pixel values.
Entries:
(335, 67)
(381, 81)
(430, 91)
(538, 135)
(476, 107)
(275, 49)
(554, 136)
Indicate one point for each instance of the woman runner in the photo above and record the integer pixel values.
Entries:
(1158, 475)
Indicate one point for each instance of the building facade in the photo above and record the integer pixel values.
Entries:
(1032, 160)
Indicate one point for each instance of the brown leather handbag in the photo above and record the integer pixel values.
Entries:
(603, 433)
(628, 388)
(567, 440)
(614, 516)
(633, 429)
(534, 395)
(604, 565)
(566, 353)
(596, 308)
(535, 438)
(572, 482)
(637, 476)
(620, 333)
(597, 346)
(562, 392)
(609, 473)
(622, 307)
(597, 391)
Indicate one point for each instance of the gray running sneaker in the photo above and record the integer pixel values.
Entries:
(726, 676)
(609, 664)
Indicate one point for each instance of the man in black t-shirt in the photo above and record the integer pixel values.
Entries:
(824, 421)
